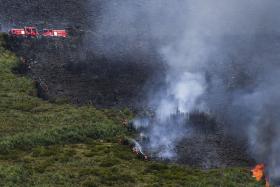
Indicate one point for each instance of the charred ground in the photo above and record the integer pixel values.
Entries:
(56, 144)
(47, 13)
(64, 72)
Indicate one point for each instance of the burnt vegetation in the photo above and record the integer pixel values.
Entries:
(57, 144)
(62, 73)
(63, 106)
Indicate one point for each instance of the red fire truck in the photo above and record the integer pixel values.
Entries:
(54, 33)
(26, 31)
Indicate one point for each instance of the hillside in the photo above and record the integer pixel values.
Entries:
(73, 73)
(58, 144)
(53, 13)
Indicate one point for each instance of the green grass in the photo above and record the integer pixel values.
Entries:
(56, 144)
(27, 121)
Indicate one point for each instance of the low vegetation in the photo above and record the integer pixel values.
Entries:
(56, 144)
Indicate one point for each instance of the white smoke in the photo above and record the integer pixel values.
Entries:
(222, 56)
(182, 94)
(181, 97)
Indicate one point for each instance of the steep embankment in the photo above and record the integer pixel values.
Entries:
(44, 144)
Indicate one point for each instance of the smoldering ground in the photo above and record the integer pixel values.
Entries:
(222, 58)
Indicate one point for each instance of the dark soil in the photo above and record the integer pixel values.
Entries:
(63, 72)
(210, 147)
(213, 151)
(207, 146)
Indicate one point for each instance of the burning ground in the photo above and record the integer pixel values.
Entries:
(62, 75)
(204, 92)
(222, 63)
(56, 144)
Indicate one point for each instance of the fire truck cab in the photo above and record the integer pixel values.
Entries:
(26, 31)
(54, 33)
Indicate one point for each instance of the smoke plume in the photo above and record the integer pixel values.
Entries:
(222, 58)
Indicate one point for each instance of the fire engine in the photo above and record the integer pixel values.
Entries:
(33, 32)
(54, 33)
(26, 31)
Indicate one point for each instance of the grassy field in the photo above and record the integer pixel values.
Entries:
(56, 144)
